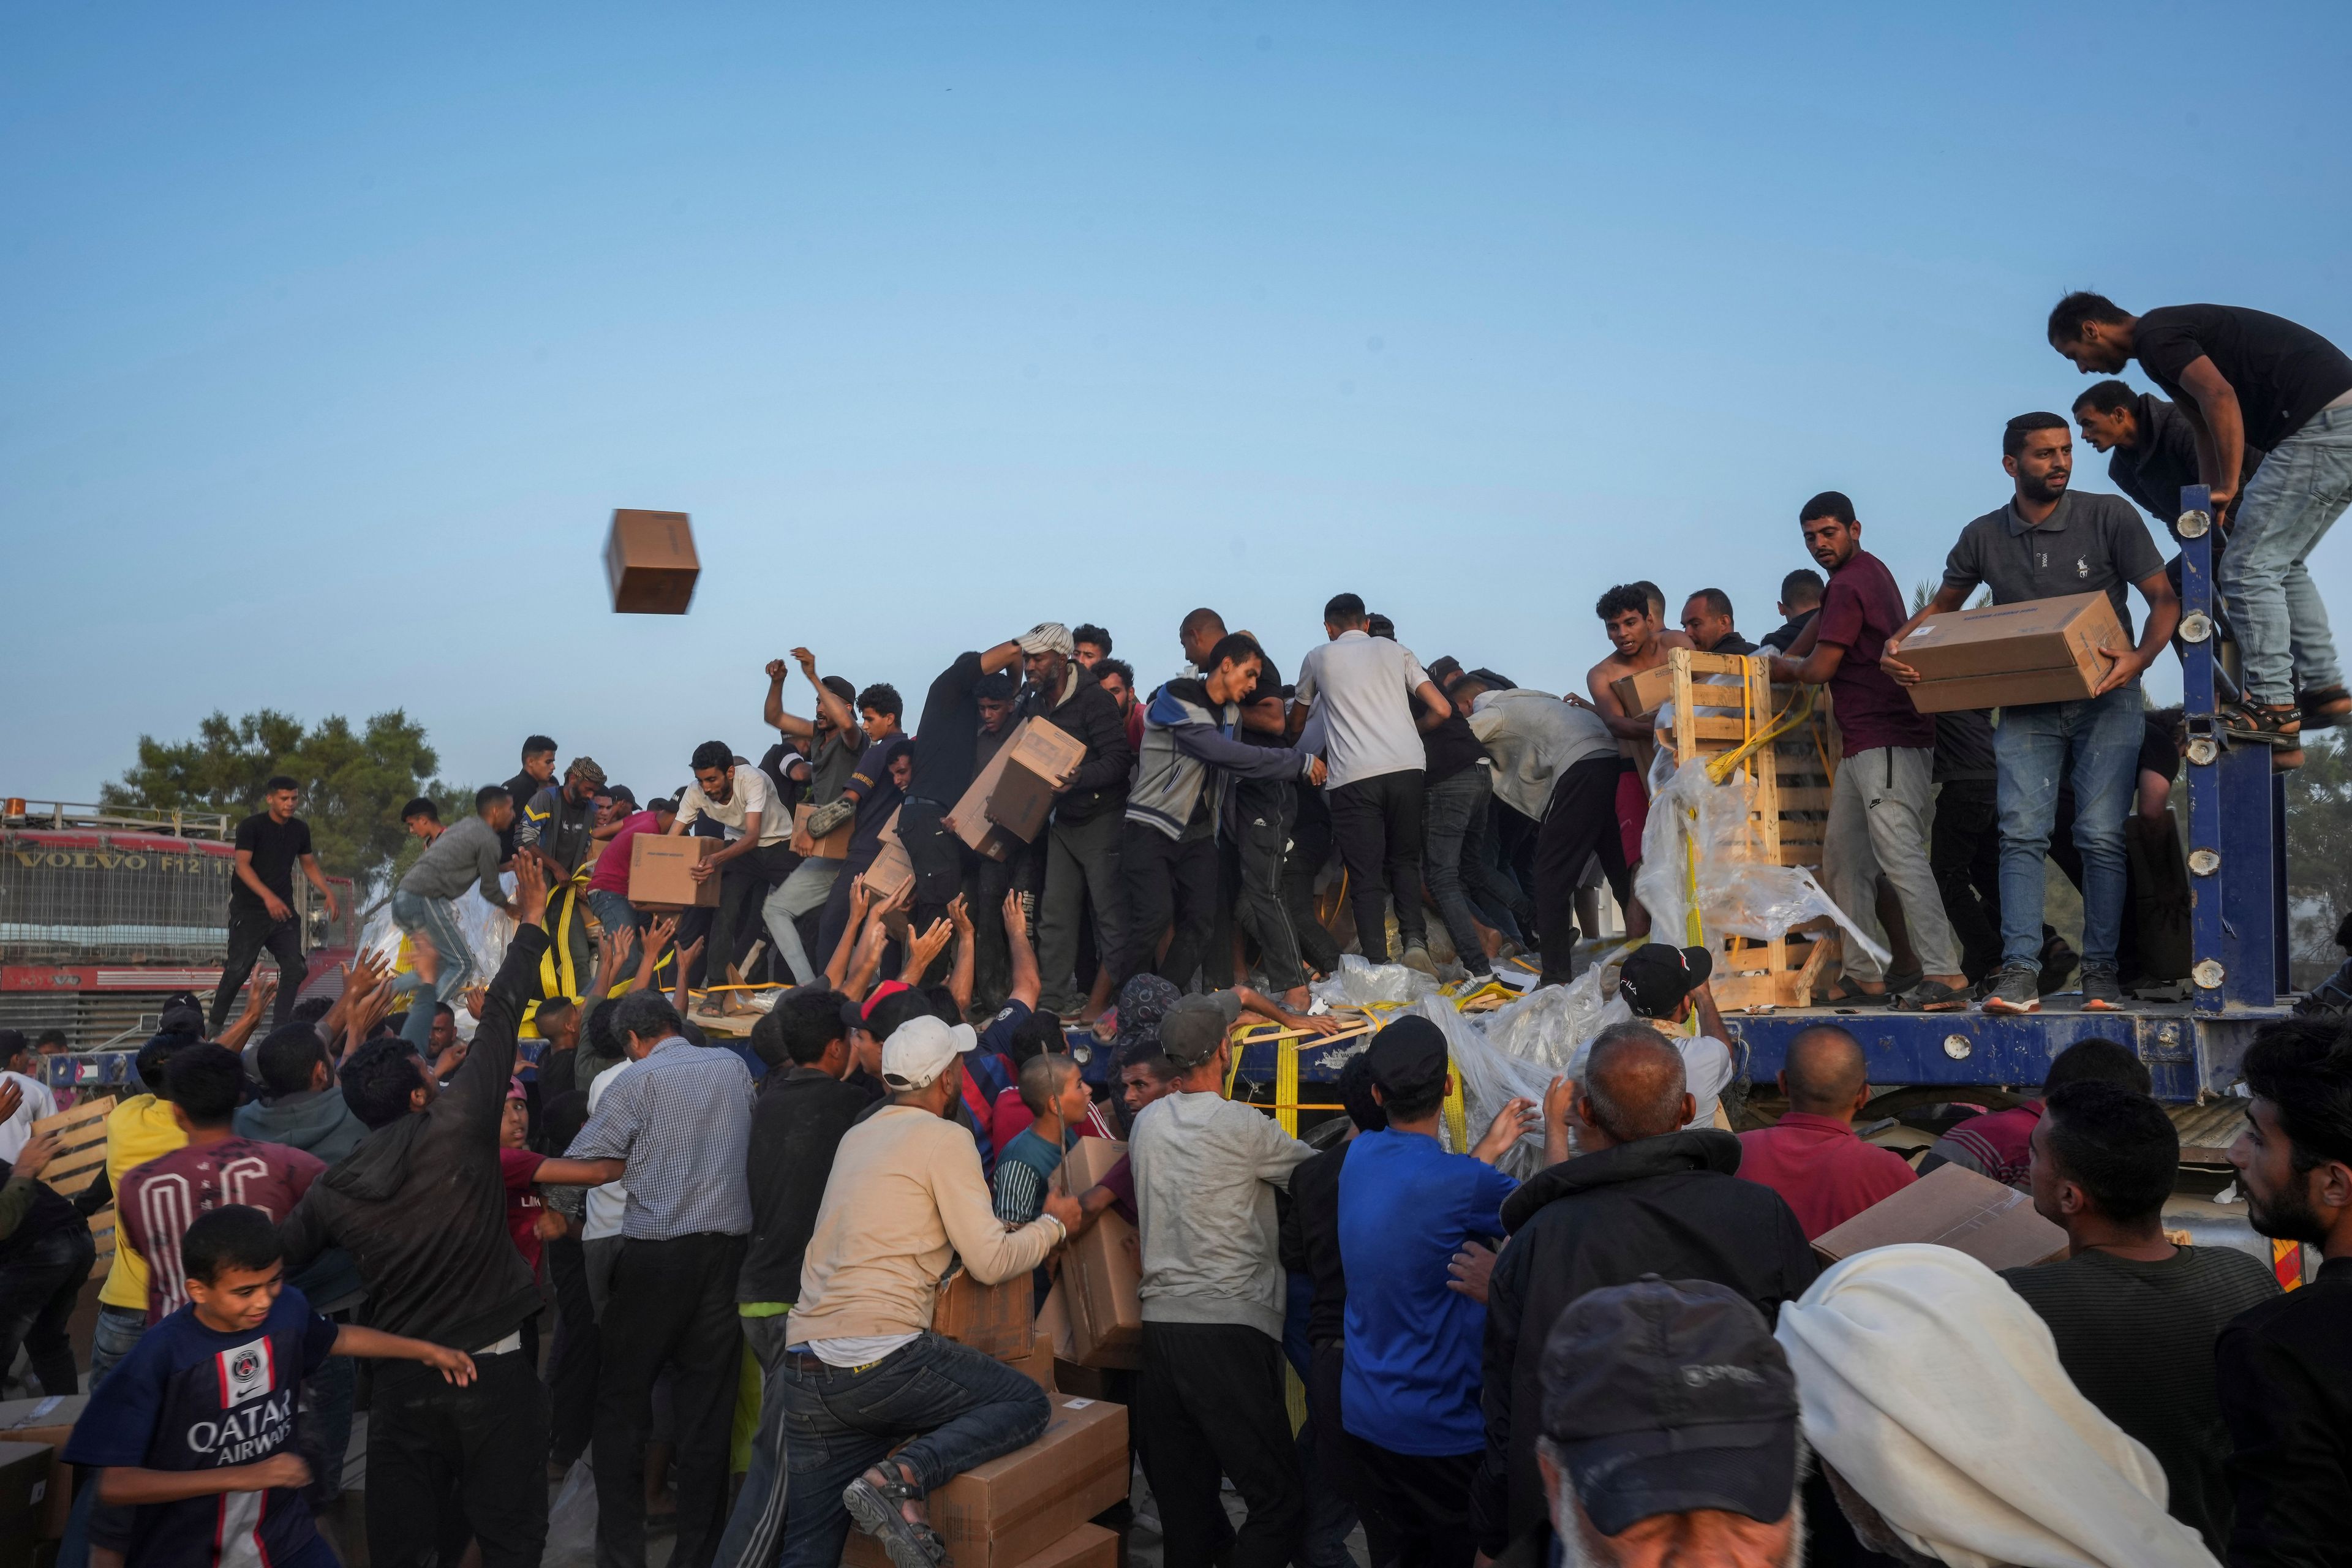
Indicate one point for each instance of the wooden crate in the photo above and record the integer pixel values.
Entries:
(1789, 817)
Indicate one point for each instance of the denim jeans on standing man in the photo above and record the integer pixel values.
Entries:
(969, 1408)
(2096, 742)
(1453, 825)
(2289, 505)
(438, 918)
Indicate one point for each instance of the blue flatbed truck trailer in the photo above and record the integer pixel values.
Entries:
(2236, 864)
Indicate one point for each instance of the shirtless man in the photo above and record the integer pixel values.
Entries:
(1635, 619)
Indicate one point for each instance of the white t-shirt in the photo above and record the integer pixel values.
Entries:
(17, 1130)
(609, 1202)
(1364, 686)
(753, 791)
(1706, 1071)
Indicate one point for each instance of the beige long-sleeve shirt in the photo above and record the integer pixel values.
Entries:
(905, 1194)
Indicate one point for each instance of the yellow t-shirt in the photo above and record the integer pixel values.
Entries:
(137, 1131)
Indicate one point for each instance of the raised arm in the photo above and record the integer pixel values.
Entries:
(960, 973)
(478, 1090)
(772, 710)
(1027, 985)
(836, 712)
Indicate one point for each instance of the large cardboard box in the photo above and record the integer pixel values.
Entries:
(1007, 1511)
(650, 562)
(2036, 651)
(1952, 1206)
(1088, 1546)
(834, 846)
(1645, 691)
(47, 1420)
(1031, 768)
(890, 871)
(995, 1319)
(26, 1491)
(1102, 1272)
(970, 816)
(660, 874)
(1037, 1367)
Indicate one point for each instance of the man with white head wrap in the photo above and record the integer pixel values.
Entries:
(1081, 850)
(1935, 1396)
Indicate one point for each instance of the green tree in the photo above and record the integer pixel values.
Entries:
(354, 780)
(2319, 847)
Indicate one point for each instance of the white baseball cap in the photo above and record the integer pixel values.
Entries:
(920, 1049)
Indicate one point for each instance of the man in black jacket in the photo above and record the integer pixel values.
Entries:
(421, 1205)
(1640, 1197)
(1082, 858)
(2151, 447)
(795, 1128)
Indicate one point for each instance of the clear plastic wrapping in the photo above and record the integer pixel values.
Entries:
(1692, 818)
(1359, 982)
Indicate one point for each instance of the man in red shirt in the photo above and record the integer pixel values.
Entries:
(1811, 1156)
(1881, 803)
(159, 1200)
(608, 884)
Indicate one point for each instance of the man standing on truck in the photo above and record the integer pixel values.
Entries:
(2048, 541)
(261, 900)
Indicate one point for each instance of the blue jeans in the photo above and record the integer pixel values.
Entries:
(838, 1421)
(2096, 742)
(2293, 499)
(1454, 825)
(438, 918)
(613, 910)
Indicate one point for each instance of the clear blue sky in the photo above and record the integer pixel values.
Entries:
(334, 334)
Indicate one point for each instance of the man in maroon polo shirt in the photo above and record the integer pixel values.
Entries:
(1811, 1157)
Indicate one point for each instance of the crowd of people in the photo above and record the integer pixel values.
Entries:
(1632, 1356)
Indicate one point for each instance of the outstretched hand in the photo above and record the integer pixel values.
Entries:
(530, 891)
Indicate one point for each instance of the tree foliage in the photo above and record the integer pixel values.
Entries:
(2319, 844)
(354, 780)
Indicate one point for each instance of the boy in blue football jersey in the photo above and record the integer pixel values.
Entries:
(193, 1430)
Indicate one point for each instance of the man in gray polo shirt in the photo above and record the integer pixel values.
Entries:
(1376, 699)
(1210, 1397)
(2049, 541)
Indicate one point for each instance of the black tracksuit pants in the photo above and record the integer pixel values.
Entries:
(1210, 1399)
(1378, 823)
(1581, 822)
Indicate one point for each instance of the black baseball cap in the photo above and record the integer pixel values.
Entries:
(1192, 1031)
(1656, 978)
(1408, 1056)
(1355, 1094)
(1668, 1396)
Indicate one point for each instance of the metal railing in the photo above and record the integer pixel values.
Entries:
(65, 815)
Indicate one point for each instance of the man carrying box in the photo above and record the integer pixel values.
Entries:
(758, 853)
(1882, 802)
(862, 1368)
(2046, 543)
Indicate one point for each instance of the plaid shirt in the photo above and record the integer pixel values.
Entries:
(683, 1122)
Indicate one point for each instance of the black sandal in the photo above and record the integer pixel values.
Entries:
(1933, 996)
(1857, 998)
(876, 1511)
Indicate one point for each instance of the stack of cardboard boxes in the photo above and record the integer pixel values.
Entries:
(1029, 1509)
(35, 1483)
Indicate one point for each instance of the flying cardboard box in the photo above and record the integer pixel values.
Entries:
(2010, 655)
(650, 562)
(834, 846)
(661, 871)
(1952, 1206)
(995, 1319)
(1102, 1272)
(47, 1420)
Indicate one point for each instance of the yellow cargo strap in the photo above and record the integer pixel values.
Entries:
(557, 974)
(1799, 708)
(1456, 1114)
